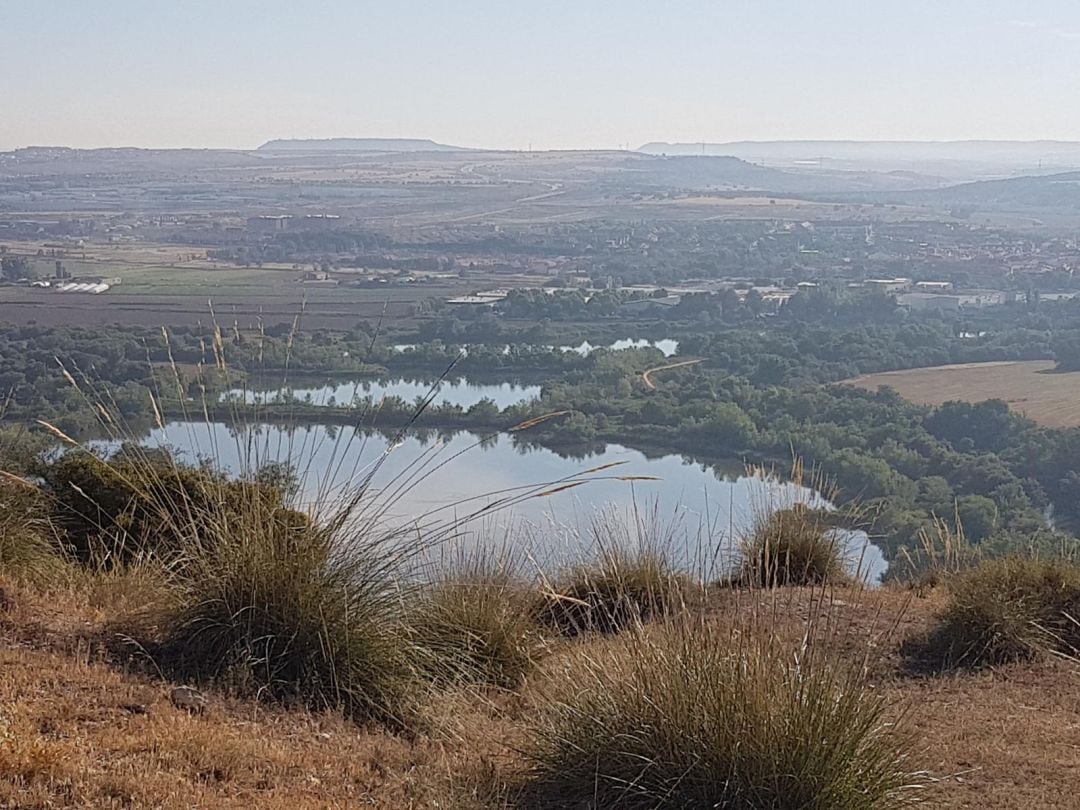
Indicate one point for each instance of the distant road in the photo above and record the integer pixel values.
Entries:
(646, 376)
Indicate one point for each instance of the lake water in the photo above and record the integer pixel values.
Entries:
(459, 392)
(454, 477)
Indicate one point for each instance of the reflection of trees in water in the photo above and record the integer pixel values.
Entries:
(578, 451)
(309, 436)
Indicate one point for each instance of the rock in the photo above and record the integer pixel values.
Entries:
(187, 697)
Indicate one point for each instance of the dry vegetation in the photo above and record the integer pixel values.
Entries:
(82, 727)
(1030, 387)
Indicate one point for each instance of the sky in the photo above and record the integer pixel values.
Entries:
(551, 74)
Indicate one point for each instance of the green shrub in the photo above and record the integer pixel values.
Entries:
(142, 503)
(1007, 609)
(692, 716)
(792, 546)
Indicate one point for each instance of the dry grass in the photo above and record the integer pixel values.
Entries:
(627, 578)
(792, 539)
(28, 545)
(476, 622)
(79, 729)
(1006, 610)
(795, 546)
(1030, 387)
(691, 714)
(82, 731)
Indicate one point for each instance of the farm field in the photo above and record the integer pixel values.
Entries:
(325, 308)
(160, 294)
(1029, 387)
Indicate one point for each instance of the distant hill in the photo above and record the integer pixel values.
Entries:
(956, 160)
(1044, 191)
(703, 173)
(719, 172)
(358, 145)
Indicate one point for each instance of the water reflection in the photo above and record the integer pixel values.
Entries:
(459, 392)
(440, 476)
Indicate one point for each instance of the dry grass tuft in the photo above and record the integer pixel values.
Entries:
(476, 623)
(289, 616)
(630, 580)
(695, 715)
(793, 546)
(28, 547)
(1005, 610)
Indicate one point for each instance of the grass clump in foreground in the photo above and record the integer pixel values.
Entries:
(28, 543)
(793, 540)
(476, 623)
(630, 580)
(792, 546)
(1004, 610)
(28, 548)
(294, 613)
(692, 715)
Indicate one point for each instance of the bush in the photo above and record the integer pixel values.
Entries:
(621, 588)
(690, 716)
(1005, 610)
(292, 613)
(142, 503)
(793, 546)
(27, 546)
(477, 626)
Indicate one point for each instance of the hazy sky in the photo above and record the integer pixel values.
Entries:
(551, 73)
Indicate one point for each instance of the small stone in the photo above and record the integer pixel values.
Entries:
(187, 697)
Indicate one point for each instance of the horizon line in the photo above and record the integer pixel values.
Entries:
(531, 148)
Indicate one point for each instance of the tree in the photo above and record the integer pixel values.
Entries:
(978, 515)
(754, 302)
(16, 268)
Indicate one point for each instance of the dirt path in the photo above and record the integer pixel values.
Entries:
(646, 376)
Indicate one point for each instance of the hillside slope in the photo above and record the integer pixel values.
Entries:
(86, 726)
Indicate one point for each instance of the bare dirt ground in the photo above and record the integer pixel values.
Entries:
(1029, 387)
